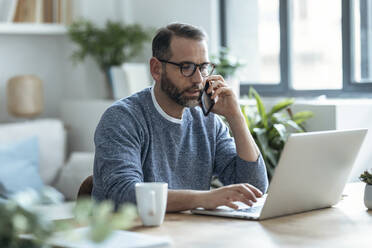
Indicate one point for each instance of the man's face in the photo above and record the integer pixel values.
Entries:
(185, 91)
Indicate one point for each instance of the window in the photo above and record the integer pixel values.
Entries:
(362, 40)
(316, 44)
(256, 23)
(306, 47)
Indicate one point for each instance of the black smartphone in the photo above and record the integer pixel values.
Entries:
(206, 101)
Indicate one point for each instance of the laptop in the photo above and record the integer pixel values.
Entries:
(311, 174)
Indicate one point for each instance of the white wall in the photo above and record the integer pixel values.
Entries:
(158, 13)
(32, 54)
(48, 56)
(155, 14)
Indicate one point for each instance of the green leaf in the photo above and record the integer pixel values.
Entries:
(226, 64)
(366, 177)
(282, 131)
(260, 106)
(302, 116)
(279, 118)
(261, 137)
(103, 211)
(270, 168)
(294, 125)
(111, 45)
(124, 217)
(277, 143)
(272, 157)
(247, 121)
(83, 210)
(280, 106)
(100, 232)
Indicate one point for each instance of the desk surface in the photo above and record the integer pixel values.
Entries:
(347, 224)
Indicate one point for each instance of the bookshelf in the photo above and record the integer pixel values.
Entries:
(35, 17)
(32, 29)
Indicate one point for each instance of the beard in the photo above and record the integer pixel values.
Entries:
(177, 95)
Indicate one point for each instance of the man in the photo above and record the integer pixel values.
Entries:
(160, 134)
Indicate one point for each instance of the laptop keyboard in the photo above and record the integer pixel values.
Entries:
(243, 208)
(253, 209)
(257, 207)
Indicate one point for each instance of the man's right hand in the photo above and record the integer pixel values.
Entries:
(227, 195)
(179, 200)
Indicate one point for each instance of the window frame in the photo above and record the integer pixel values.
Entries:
(350, 88)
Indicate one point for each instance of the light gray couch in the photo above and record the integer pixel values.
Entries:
(66, 177)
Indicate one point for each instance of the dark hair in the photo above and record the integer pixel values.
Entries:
(162, 39)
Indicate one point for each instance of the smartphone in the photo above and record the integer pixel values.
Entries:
(206, 101)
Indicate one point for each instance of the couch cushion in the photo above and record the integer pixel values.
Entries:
(51, 137)
(79, 167)
(19, 166)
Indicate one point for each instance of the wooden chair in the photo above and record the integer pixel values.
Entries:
(86, 187)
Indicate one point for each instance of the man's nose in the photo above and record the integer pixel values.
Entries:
(197, 78)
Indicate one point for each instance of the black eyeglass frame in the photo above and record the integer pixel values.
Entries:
(180, 65)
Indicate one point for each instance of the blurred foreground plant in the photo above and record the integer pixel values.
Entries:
(102, 219)
(19, 216)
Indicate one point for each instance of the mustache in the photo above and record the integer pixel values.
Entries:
(199, 88)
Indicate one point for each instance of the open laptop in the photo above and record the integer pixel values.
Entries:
(311, 174)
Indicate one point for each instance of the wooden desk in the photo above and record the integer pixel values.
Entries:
(348, 224)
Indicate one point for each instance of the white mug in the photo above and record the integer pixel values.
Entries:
(151, 202)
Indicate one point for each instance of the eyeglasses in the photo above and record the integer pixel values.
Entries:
(188, 68)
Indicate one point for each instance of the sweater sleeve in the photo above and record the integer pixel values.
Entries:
(230, 168)
(117, 165)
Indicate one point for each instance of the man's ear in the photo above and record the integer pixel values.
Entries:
(155, 69)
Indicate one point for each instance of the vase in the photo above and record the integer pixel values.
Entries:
(108, 83)
(25, 96)
(368, 196)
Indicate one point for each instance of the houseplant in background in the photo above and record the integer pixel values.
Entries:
(270, 129)
(109, 46)
(366, 177)
(227, 66)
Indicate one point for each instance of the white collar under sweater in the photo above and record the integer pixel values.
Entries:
(161, 111)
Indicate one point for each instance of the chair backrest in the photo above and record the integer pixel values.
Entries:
(86, 187)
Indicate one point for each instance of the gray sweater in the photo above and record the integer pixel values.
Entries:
(136, 141)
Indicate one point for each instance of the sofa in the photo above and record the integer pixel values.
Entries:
(33, 154)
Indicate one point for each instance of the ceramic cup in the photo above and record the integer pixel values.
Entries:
(151, 202)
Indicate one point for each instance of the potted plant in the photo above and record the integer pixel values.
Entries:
(270, 129)
(227, 66)
(109, 46)
(366, 177)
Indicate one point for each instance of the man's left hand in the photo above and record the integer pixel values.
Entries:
(226, 101)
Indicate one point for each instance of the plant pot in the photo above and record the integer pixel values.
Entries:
(368, 196)
(108, 82)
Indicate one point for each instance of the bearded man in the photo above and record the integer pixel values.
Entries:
(160, 134)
